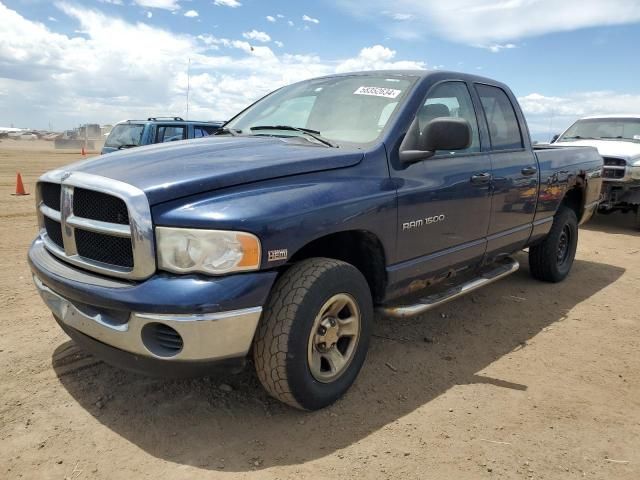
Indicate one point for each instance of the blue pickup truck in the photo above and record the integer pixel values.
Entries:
(279, 237)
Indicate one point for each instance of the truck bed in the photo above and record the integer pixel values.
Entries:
(558, 164)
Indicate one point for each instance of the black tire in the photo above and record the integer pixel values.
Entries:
(637, 222)
(284, 336)
(551, 260)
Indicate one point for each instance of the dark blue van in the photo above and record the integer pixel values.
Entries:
(135, 133)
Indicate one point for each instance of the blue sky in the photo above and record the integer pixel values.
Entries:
(69, 62)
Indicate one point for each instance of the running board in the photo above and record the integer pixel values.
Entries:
(504, 268)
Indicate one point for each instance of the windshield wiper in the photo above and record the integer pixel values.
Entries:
(223, 130)
(127, 145)
(578, 137)
(307, 131)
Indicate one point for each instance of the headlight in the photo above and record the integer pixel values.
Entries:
(186, 250)
(635, 171)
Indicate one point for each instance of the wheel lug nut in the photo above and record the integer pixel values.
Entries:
(322, 330)
(322, 346)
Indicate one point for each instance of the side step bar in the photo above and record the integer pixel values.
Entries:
(504, 268)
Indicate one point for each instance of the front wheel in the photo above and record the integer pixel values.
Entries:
(551, 260)
(314, 334)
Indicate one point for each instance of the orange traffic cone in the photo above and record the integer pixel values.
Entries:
(19, 187)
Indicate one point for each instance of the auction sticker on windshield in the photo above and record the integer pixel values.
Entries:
(378, 92)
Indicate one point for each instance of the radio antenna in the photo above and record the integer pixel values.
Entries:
(188, 85)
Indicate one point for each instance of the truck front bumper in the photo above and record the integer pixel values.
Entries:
(164, 325)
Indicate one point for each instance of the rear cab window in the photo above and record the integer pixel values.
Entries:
(504, 128)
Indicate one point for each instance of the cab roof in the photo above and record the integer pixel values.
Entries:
(606, 117)
(421, 75)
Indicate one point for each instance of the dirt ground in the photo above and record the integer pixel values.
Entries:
(520, 380)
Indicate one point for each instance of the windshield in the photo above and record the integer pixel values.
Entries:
(353, 109)
(125, 135)
(604, 128)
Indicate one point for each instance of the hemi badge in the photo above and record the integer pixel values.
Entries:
(275, 255)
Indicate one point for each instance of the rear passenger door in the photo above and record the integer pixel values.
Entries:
(515, 174)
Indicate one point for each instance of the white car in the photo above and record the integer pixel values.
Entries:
(617, 138)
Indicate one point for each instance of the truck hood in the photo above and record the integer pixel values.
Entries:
(178, 169)
(629, 151)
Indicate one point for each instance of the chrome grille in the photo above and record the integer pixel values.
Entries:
(50, 195)
(104, 248)
(99, 206)
(54, 231)
(614, 168)
(99, 224)
(617, 162)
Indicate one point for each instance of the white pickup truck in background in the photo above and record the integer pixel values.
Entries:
(617, 138)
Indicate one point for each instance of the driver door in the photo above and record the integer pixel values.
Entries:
(444, 202)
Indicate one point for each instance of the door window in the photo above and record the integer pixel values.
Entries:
(170, 133)
(451, 99)
(203, 131)
(504, 127)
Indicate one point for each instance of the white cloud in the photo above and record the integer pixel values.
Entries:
(149, 14)
(255, 51)
(210, 41)
(548, 115)
(307, 18)
(400, 17)
(279, 15)
(191, 13)
(279, 43)
(498, 47)
(52, 19)
(378, 57)
(485, 22)
(113, 2)
(290, 23)
(170, 5)
(117, 69)
(270, 18)
(257, 35)
(227, 3)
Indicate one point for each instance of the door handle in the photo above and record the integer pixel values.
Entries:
(481, 178)
(529, 170)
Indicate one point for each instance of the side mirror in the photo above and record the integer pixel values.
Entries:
(442, 133)
(555, 137)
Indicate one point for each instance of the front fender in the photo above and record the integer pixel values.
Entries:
(288, 213)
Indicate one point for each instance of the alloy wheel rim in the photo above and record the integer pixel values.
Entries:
(334, 338)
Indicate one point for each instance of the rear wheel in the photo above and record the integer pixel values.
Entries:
(637, 222)
(314, 334)
(551, 260)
